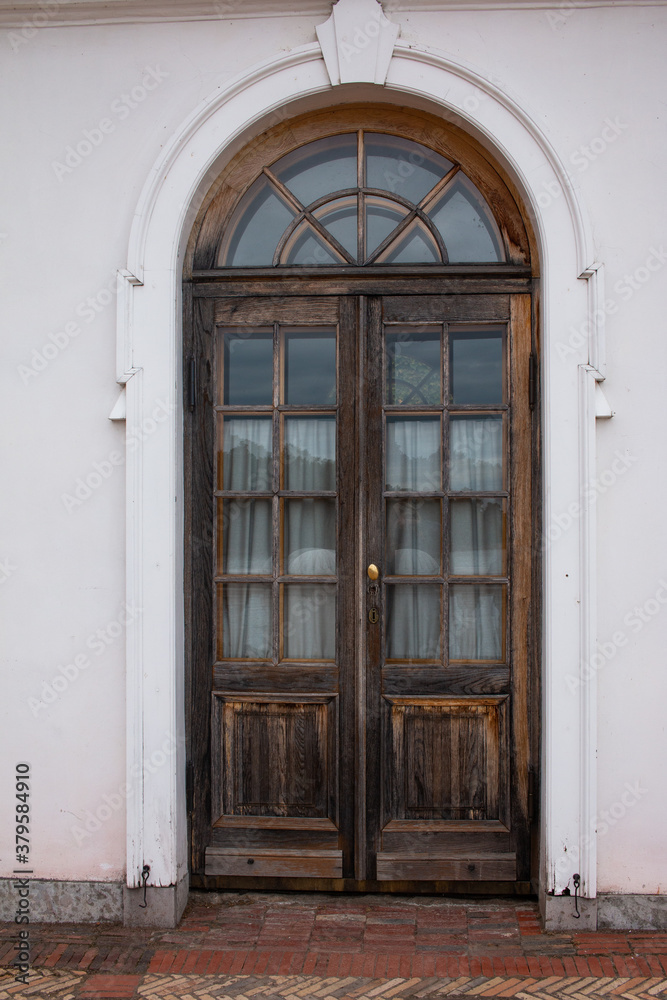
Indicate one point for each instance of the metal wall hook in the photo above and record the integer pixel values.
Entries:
(577, 881)
(145, 872)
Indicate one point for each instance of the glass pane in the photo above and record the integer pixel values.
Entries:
(402, 166)
(476, 622)
(415, 245)
(256, 227)
(466, 224)
(310, 453)
(413, 622)
(477, 367)
(245, 612)
(319, 168)
(309, 622)
(306, 248)
(245, 536)
(310, 367)
(413, 453)
(248, 368)
(309, 546)
(382, 217)
(476, 448)
(477, 537)
(413, 368)
(413, 537)
(247, 452)
(339, 217)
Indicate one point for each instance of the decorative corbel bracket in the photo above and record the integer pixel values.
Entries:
(125, 283)
(357, 42)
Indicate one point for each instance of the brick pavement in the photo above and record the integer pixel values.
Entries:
(341, 947)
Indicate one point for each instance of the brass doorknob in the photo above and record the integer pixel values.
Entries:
(373, 572)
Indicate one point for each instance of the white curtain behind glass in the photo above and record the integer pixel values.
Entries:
(476, 445)
(475, 612)
(413, 622)
(413, 455)
(309, 541)
(413, 537)
(310, 537)
(310, 453)
(246, 621)
(247, 453)
(476, 531)
(475, 622)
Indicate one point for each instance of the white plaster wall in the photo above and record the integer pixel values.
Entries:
(62, 240)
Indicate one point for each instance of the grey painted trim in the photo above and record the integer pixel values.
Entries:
(607, 912)
(632, 912)
(165, 905)
(53, 902)
(558, 913)
(64, 902)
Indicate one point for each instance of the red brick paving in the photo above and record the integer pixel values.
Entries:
(279, 934)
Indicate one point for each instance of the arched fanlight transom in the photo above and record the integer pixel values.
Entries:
(361, 198)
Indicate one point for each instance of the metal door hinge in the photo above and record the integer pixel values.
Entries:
(532, 794)
(532, 381)
(189, 785)
(192, 383)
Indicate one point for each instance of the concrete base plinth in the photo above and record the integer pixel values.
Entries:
(559, 913)
(52, 902)
(631, 912)
(164, 905)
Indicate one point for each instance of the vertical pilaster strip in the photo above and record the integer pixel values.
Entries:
(587, 637)
(134, 638)
(132, 381)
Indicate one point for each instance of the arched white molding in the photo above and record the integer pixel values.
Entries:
(149, 342)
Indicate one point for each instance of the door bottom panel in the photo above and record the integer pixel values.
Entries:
(276, 862)
(230, 883)
(489, 867)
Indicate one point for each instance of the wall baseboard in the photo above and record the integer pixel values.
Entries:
(55, 902)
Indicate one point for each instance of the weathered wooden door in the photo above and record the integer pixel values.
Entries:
(350, 729)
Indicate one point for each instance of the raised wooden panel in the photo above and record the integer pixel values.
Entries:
(449, 308)
(275, 310)
(462, 838)
(450, 680)
(277, 863)
(287, 677)
(492, 867)
(447, 758)
(274, 757)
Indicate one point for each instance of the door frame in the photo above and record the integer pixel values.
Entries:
(148, 370)
(201, 294)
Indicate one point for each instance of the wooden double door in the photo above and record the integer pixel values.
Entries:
(360, 601)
